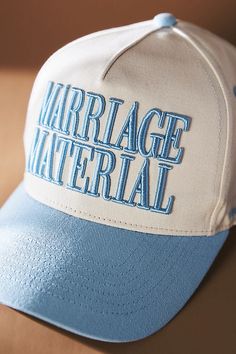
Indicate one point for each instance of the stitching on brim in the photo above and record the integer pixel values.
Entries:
(107, 312)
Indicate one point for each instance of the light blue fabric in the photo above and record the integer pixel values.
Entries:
(165, 20)
(98, 281)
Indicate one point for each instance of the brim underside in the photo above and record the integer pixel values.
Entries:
(94, 280)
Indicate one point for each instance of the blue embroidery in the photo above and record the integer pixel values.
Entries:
(170, 139)
(34, 158)
(70, 115)
(100, 171)
(45, 169)
(141, 186)
(79, 167)
(57, 118)
(122, 180)
(142, 133)
(90, 115)
(129, 130)
(63, 145)
(161, 184)
(49, 103)
(115, 103)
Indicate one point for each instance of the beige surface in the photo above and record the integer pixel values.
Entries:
(150, 72)
(207, 325)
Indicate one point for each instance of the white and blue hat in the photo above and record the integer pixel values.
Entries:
(129, 189)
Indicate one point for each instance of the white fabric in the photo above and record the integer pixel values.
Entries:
(182, 69)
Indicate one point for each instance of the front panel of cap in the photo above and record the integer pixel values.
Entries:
(136, 142)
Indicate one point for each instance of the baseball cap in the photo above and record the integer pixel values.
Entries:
(129, 188)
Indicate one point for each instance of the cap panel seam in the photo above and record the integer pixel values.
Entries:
(89, 36)
(122, 222)
(125, 49)
(200, 50)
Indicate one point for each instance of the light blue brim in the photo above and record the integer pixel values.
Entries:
(94, 280)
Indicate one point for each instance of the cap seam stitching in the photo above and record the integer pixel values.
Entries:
(191, 40)
(80, 212)
(85, 37)
(122, 51)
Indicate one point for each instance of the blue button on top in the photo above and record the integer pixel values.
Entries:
(165, 20)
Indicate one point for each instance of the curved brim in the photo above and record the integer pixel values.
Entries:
(98, 281)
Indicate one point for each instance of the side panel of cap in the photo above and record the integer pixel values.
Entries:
(161, 71)
(223, 56)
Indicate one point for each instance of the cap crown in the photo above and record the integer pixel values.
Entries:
(133, 127)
